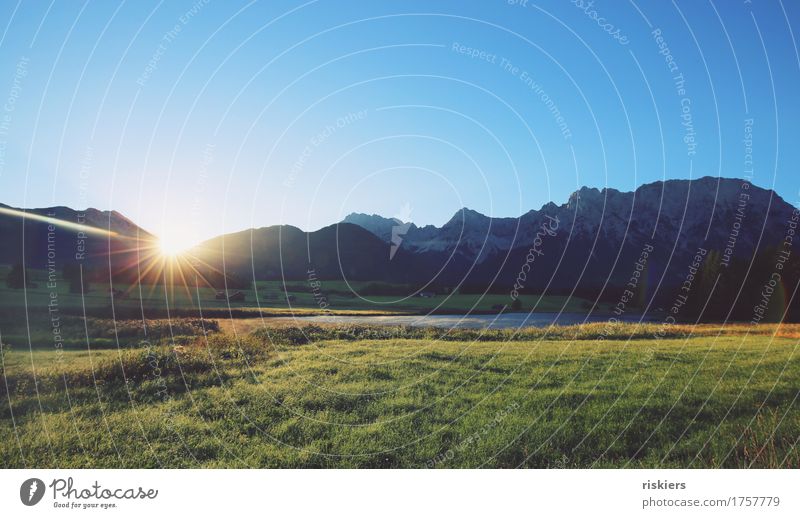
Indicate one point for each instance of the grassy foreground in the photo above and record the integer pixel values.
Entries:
(582, 396)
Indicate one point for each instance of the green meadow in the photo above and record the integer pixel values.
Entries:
(263, 297)
(187, 393)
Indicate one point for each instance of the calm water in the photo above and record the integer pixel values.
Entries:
(506, 321)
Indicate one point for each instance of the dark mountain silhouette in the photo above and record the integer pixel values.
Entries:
(378, 225)
(602, 233)
(119, 248)
(601, 240)
(593, 245)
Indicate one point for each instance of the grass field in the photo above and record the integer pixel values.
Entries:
(267, 297)
(326, 396)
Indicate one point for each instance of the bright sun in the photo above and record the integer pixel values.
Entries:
(172, 246)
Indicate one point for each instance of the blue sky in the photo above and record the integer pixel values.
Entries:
(196, 118)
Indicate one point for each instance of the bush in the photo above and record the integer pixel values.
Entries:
(148, 364)
(78, 282)
(300, 335)
(155, 329)
(227, 347)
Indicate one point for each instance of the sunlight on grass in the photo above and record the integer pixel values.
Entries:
(193, 395)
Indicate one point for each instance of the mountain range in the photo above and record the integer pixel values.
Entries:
(592, 243)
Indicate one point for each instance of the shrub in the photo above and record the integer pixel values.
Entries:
(227, 347)
(151, 329)
(148, 363)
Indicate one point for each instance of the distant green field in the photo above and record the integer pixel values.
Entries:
(269, 297)
(281, 398)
